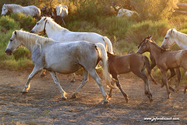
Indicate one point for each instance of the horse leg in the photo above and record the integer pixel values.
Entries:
(185, 89)
(144, 77)
(98, 81)
(179, 78)
(172, 73)
(53, 74)
(73, 77)
(164, 80)
(63, 21)
(84, 80)
(33, 73)
(119, 86)
(43, 73)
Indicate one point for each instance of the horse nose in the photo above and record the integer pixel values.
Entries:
(8, 52)
(32, 31)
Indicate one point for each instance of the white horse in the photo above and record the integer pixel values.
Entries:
(125, 12)
(27, 10)
(62, 57)
(62, 11)
(172, 37)
(58, 33)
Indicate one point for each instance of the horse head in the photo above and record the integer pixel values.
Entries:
(13, 44)
(4, 10)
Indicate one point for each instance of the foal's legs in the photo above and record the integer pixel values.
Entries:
(33, 73)
(164, 80)
(119, 86)
(53, 74)
(144, 77)
(84, 80)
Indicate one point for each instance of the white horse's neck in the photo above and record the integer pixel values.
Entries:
(31, 42)
(180, 39)
(52, 28)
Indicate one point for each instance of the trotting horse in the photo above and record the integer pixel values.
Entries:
(135, 63)
(62, 57)
(58, 33)
(153, 64)
(27, 10)
(164, 59)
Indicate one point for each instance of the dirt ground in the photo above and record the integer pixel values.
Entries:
(42, 104)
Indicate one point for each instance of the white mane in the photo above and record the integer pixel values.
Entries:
(12, 6)
(54, 24)
(31, 40)
(178, 35)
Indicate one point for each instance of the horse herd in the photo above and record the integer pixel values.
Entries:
(66, 52)
(57, 13)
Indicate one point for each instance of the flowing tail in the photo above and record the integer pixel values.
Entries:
(104, 57)
(148, 67)
(108, 44)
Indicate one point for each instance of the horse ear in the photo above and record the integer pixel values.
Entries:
(15, 32)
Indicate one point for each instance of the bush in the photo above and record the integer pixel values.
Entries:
(115, 26)
(8, 23)
(25, 22)
(22, 52)
(139, 31)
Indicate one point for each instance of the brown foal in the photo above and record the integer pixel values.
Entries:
(164, 59)
(135, 63)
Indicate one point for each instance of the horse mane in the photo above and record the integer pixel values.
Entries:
(32, 39)
(10, 7)
(53, 23)
(155, 44)
(152, 42)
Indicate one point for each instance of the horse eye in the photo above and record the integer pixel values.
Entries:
(11, 40)
(166, 37)
(37, 23)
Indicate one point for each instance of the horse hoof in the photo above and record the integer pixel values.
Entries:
(162, 85)
(64, 98)
(73, 96)
(106, 102)
(42, 75)
(72, 81)
(151, 100)
(184, 91)
(127, 100)
(24, 91)
(169, 95)
(109, 96)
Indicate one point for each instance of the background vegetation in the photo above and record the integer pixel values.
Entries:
(156, 17)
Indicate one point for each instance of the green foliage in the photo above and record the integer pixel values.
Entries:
(25, 22)
(8, 23)
(138, 31)
(22, 52)
(115, 26)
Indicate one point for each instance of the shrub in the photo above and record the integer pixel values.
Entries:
(22, 52)
(8, 23)
(25, 22)
(139, 31)
(115, 26)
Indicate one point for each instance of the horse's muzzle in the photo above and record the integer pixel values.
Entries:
(31, 31)
(8, 52)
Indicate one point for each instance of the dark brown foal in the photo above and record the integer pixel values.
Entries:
(135, 63)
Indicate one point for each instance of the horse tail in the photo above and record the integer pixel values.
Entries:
(108, 44)
(147, 64)
(104, 58)
(148, 67)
